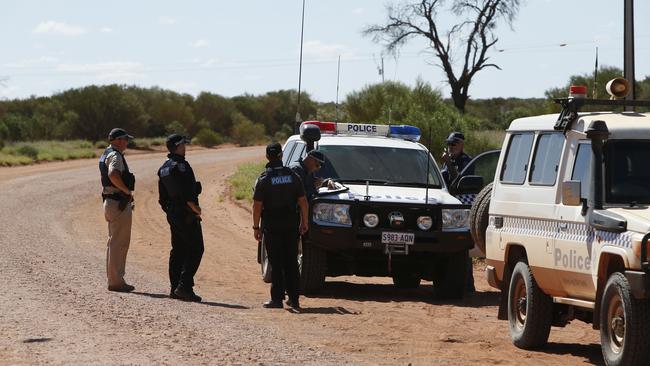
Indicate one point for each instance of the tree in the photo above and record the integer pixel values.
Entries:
(472, 38)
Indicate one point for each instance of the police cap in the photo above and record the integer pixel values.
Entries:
(174, 140)
(117, 133)
(273, 150)
(317, 155)
(455, 137)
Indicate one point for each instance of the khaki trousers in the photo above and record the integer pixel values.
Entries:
(119, 237)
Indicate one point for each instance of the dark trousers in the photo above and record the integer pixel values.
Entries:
(283, 254)
(187, 249)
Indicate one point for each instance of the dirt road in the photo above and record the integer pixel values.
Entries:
(55, 309)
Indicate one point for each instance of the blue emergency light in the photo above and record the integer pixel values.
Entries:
(405, 132)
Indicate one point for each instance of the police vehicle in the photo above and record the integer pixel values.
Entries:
(391, 213)
(568, 225)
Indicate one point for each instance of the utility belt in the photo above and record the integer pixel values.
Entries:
(120, 197)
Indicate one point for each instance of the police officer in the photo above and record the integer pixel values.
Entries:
(454, 158)
(305, 169)
(178, 194)
(118, 184)
(454, 161)
(278, 191)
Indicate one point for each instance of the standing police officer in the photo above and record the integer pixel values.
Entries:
(178, 195)
(277, 193)
(117, 195)
(455, 160)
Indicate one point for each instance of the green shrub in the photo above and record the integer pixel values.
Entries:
(208, 138)
(101, 145)
(245, 132)
(28, 150)
(12, 160)
(244, 178)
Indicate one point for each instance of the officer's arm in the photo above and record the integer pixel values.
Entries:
(116, 178)
(257, 213)
(194, 207)
(304, 214)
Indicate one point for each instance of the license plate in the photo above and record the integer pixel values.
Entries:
(397, 238)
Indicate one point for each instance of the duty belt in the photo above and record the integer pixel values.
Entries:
(114, 196)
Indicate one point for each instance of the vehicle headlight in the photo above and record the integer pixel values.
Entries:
(332, 214)
(455, 219)
(425, 222)
(370, 220)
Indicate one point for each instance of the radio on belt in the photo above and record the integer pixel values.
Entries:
(404, 132)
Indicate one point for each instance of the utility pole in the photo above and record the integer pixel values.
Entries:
(629, 50)
(302, 33)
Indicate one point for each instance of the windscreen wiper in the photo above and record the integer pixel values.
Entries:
(414, 184)
(370, 181)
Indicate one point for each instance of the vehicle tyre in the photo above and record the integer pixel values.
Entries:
(530, 310)
(450, 276)
(406, 279)
(313, 268)
(265, 263)
(624, 320)
(479, 216)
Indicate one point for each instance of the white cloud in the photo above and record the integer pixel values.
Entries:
(201, 43)
(211, 62)
(106, 30)
(320, 50)
(31, 62)
(167, 20)
(58, 28)
(113, 71)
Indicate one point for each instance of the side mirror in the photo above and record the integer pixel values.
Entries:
(571, 193)
(469, 184)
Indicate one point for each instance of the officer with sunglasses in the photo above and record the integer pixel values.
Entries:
(305, 169)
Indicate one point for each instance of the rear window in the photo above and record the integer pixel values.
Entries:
(516, 162)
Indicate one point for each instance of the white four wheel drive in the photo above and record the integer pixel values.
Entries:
(568, 227)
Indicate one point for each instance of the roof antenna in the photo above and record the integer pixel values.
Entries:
(594, 93)
(302, 32)
(338, 79)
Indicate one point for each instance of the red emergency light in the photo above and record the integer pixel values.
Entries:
(325, 127)
(578, 91)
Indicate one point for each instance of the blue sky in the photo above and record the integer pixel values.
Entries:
(236, 47)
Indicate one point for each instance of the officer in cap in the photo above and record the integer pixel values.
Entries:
(454, 161)
(454, 158)
(278, 191)
(306, 167)
(118, 184)
(178, 195)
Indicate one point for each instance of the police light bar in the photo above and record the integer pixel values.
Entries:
(404, 132)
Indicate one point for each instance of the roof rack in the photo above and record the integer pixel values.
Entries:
(571, 107)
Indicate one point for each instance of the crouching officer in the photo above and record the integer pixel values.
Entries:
(118, 184)
(277, 193)
(178, 193)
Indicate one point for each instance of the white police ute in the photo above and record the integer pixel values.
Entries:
(389, 214)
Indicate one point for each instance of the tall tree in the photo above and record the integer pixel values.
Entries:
(472, 37)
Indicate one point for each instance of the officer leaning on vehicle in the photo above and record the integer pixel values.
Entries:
(454, 161)
(306, 168)
(118, 184)
(278, 191)
(178, 193)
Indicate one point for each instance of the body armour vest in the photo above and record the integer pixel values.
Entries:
(127, 177)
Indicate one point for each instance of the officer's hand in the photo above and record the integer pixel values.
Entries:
(318, 182)
(331, 184)
(446, 157)
(257, 234)
(303, 228)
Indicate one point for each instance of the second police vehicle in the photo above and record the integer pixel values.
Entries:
(391, 213)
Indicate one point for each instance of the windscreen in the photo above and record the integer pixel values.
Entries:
(627, 171)
(378, 165)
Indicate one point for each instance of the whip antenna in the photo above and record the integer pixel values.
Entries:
(302, 32)
(338, 79)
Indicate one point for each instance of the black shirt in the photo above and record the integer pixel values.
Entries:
(460, 163)
(177, 184)
(308, 180)
(278, 188)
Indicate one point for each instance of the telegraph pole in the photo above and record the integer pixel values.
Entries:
(302, 32)
(629, 49)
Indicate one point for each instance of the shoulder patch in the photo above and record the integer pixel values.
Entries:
(181, 167)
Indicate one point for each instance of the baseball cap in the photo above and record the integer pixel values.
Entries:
(117, 133)
(273, 150)
(174, 140)
(317, 155)
(455, 137)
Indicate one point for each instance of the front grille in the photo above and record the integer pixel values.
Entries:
(410, 215)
